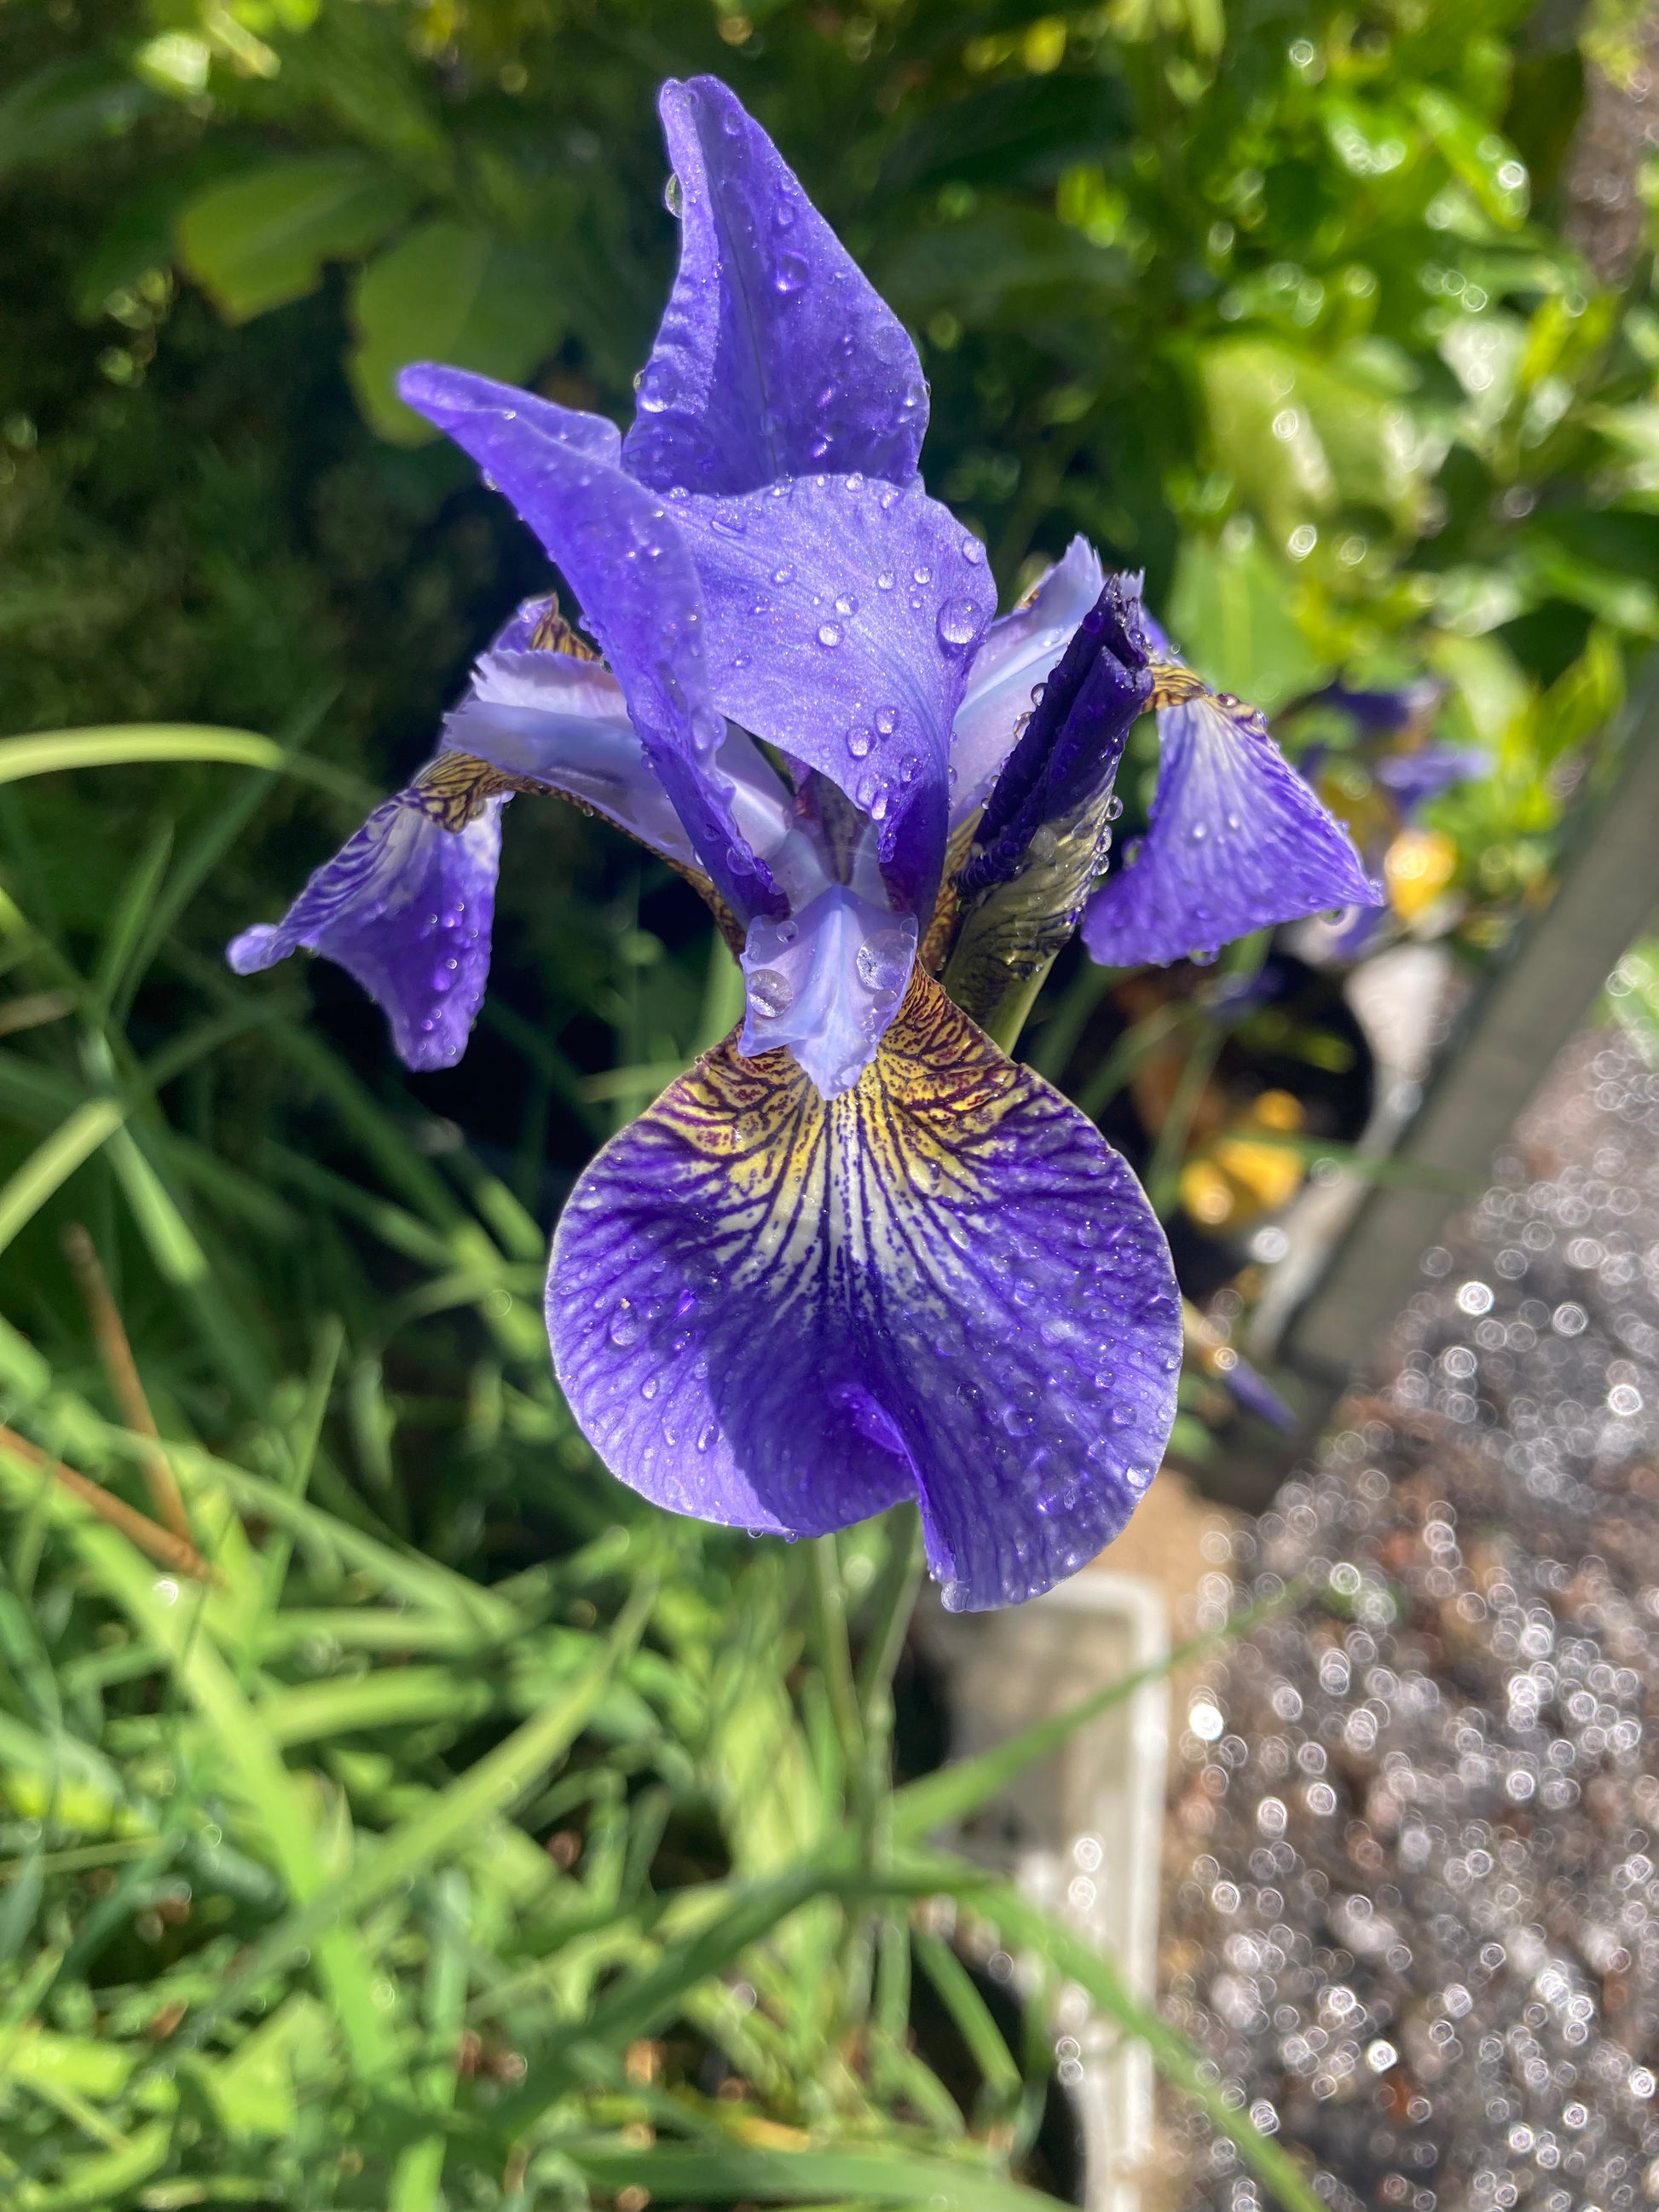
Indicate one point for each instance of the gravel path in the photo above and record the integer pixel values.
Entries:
(1415, 1907)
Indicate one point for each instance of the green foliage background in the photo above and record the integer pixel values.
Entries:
(1274, 303)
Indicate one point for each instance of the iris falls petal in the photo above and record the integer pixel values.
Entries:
(776, 357)
(784, 1313)
(405, 906)
(1238, 842)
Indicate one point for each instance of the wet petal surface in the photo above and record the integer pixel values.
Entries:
(638, 588)
(405, 906)
(1237, 842)
(842, 615)
(783, 1315)
(827, 983)
(776, 357)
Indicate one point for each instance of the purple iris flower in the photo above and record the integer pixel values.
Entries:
(856, 1254)
(1237, 840)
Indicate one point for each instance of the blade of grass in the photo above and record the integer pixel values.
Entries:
(49, 1166)
(735, 2174)
(156, 1543)
(138, 745)
(115, 1352)
(953, 1791)
(265, 1785)
(1022, 1925)
(496, 1782)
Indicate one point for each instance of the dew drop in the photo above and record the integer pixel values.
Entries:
(789, 274)
(673, 196)
(884, 581)
(858, 743)
(972, 551)
(770, 994)
(886, 720)
(883, 960)
(829, 633)
(958, 623)
(922, 575)
(626, 1327)
(847, 605)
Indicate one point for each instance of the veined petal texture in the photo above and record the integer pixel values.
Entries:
(405, 906)
(776, 357)
(1238, 842)
(638, 588)
(784, 1313)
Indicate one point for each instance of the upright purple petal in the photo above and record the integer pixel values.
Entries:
(405, 906)
(1064, 763)
(827, 982)
(777, 357)
(637, 585)
(1016, 655)
(842, 618)
(783, 1315)
(1238, 842)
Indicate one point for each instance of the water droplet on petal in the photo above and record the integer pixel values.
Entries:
(828, 633)
(922, 575)
(958, 624)
(972, 551)
(883, 960)
(886, 720)
(858, 741)
(673, 195)
(770, 994)
(789, 274)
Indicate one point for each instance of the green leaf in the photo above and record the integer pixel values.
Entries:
(151, 744)
(67, 107)
(451, 292)
(1229, 614)
(263, 237)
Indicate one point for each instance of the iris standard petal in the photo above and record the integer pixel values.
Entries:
(1016, 655)
(827, 982)
(405, 906)
(1238, 842)
(776, 357)
(637, 585)
(784, 1313)
(841, 615)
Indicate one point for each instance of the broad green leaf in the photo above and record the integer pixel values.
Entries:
(65, 108)
(263, 237)
(1230, 613)
(456, 293)
(1477, 156)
